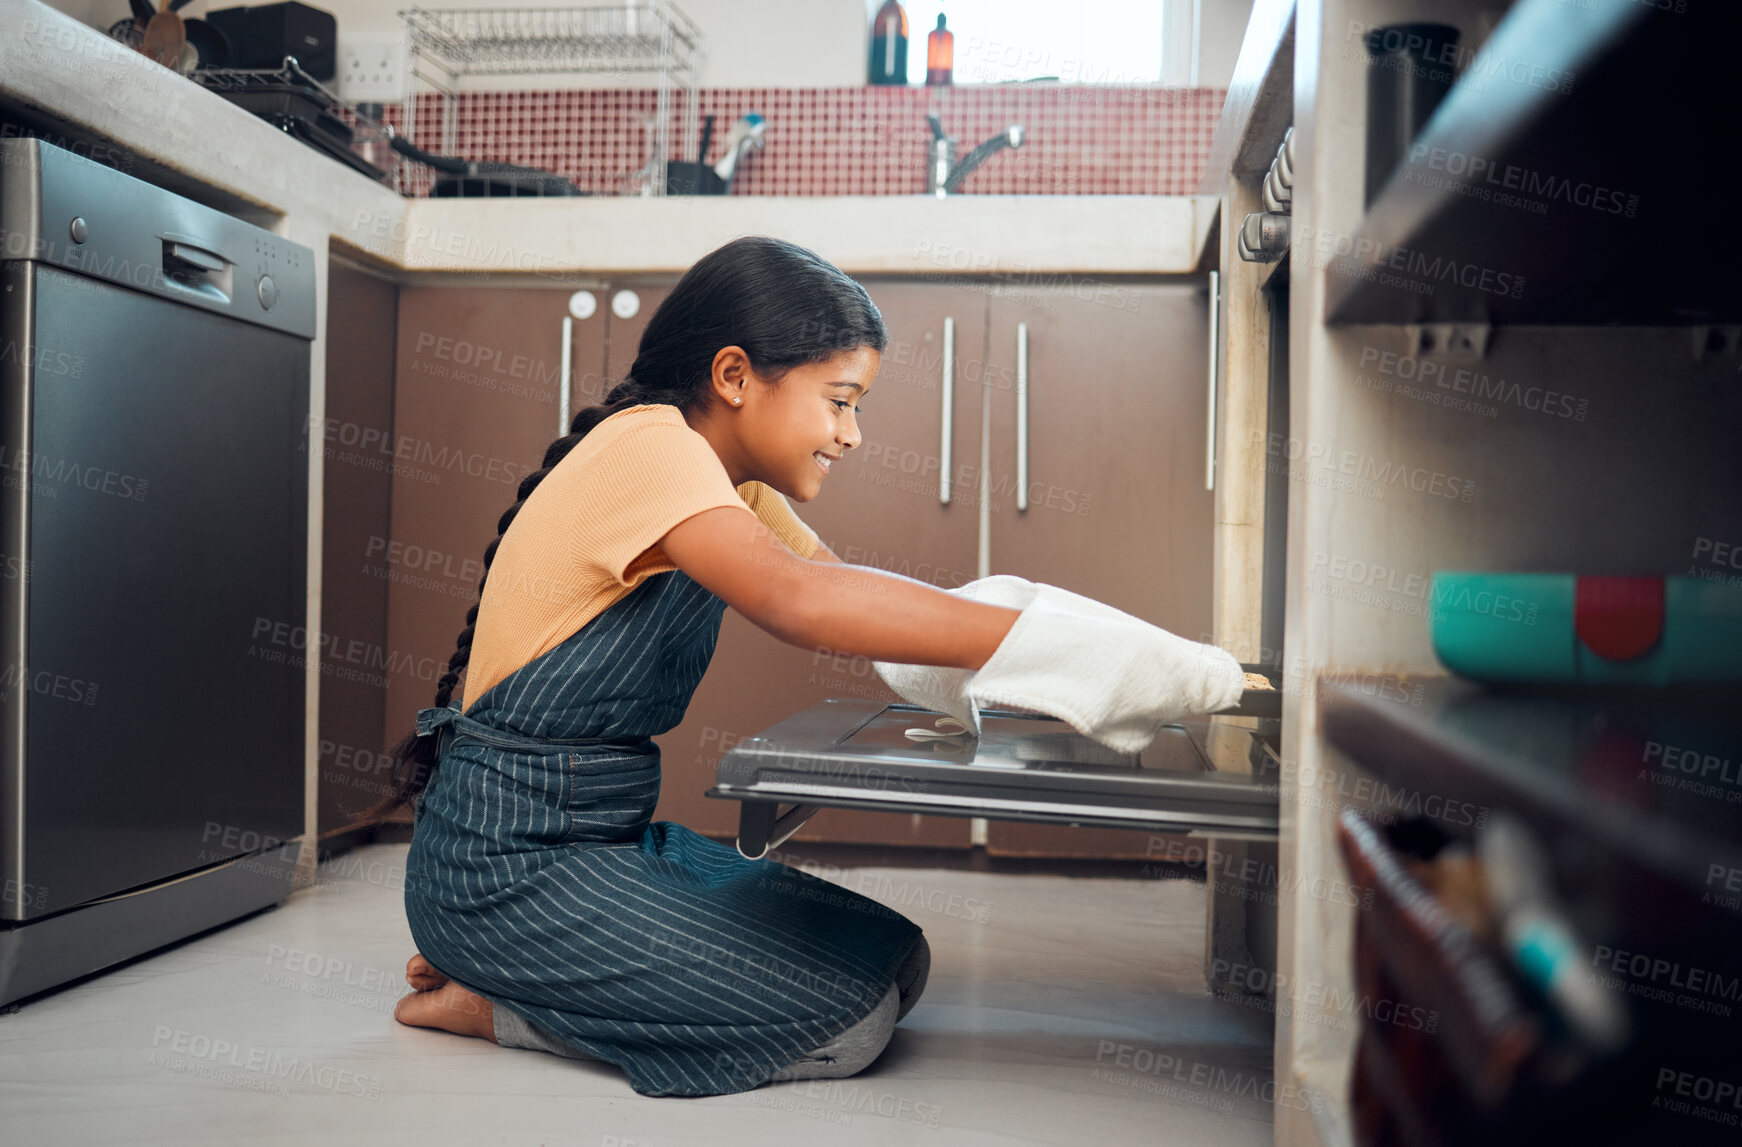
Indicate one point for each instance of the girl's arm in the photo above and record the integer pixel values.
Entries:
(822, 604)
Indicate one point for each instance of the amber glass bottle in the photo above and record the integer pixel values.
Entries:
(889, 45)
(940, 54)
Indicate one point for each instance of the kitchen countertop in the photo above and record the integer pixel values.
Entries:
(75, 80)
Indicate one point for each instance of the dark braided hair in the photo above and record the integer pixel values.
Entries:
(784, 305)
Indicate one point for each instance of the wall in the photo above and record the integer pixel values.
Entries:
(1080, 139)
(1221, 27)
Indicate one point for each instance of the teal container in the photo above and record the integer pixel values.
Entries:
(1572, 629)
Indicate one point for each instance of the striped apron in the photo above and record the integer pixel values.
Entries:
(538, 878)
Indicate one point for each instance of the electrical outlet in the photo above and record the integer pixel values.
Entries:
(372, 69)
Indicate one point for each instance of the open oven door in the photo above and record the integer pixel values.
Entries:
(1210, 776)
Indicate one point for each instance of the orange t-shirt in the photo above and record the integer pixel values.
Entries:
(589, 534)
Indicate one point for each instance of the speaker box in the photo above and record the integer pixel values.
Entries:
(262, 35)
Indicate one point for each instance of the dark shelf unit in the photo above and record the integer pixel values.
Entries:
(1632, 860)
(1575, 766)
(1610, 112)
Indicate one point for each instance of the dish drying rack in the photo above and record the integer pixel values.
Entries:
(633, 38)
(341, 130)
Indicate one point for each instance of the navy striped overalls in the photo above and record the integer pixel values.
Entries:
(538, 878)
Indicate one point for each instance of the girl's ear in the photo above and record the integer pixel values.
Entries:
(731, 375)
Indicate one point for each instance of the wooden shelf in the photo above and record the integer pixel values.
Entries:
(1567, 764)
(1561, 180)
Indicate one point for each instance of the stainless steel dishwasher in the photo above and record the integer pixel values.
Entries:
(154, 378)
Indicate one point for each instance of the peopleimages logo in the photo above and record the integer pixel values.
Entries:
(1475, 384)
(1474, 169)
(1473, 68)
(1378, 474)
(1368, 256)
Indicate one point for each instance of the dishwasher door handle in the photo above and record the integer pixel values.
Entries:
(186, 265)
(186, 252)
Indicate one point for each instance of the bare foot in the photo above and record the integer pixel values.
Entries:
(452, 1008)
(422, 975)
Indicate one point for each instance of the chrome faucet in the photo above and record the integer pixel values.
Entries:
(943, 176)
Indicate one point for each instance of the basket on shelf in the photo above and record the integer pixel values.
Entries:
(630, 38)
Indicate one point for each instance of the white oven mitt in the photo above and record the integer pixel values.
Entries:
(1112, 677)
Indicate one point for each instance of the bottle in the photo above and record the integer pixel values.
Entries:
(940, 52)
(889, 45)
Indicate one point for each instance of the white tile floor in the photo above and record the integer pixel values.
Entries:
(1059, 1011)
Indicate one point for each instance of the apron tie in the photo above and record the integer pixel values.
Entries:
(432, 719)
(456, 724)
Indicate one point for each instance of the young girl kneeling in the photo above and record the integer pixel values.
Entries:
(548, 908)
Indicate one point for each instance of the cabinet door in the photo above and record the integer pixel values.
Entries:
(357, 499)
(880, 507)
(477, 380)
(1117, 509)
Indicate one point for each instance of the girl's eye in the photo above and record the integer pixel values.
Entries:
(842, 405)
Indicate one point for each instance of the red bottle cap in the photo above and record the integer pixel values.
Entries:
(1618, 618)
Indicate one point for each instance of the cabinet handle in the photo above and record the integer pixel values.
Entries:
(1215, 361)
(1022, 416)
(949, 411)
(562, 416)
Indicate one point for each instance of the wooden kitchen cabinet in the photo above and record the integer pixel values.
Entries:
(880, 507)
(357, 501)
(1117, 509)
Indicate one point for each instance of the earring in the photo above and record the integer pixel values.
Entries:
(735, 402)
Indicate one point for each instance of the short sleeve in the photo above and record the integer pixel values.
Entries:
(771, 508)
(643, 481)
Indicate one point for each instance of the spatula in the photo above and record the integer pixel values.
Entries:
(164, 36)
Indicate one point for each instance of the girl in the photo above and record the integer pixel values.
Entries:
(548, 908)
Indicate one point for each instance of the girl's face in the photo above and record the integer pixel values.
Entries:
(792, 432)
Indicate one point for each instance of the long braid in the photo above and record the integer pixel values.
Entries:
(781, 303)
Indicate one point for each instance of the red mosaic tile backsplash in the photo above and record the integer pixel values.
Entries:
(1080, 139)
